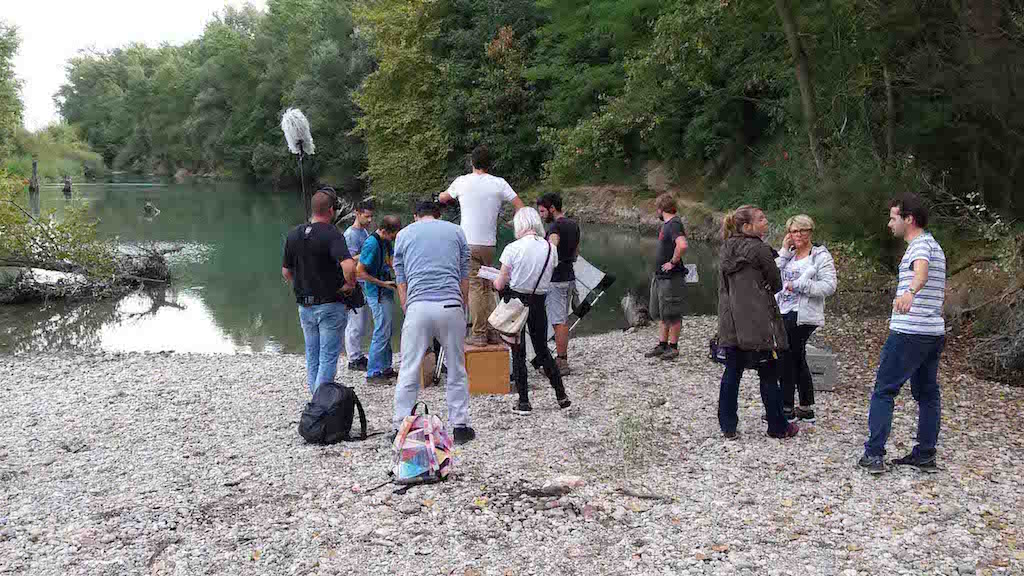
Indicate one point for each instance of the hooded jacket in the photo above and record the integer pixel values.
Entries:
(748, 315)
(815, 284)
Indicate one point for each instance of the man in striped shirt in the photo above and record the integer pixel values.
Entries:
(916, 339)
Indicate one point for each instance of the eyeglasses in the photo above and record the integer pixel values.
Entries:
(802, 231)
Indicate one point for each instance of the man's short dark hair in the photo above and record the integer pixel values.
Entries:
(911, 205)
(666, 203)
(481, 158)
(390, 224)
(550, 200)
(428, 208)
(365, 205)
(322, 203)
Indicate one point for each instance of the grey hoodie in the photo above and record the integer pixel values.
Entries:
(817, 282)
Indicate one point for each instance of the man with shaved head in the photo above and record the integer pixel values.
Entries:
(321, 270)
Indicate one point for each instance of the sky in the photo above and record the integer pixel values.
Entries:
(52, 31)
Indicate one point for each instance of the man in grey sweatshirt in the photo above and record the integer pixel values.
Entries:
(431, 262)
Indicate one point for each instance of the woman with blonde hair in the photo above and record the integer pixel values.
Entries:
(750, 327)
(808, 277)
(526, 268)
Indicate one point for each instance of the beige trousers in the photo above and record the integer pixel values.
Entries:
(481, 291)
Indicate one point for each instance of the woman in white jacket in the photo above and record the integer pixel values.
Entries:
(808, 277)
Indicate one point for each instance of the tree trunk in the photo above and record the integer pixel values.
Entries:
(890, 116)
(803, 77)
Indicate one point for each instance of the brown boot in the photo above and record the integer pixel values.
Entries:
(563, 366)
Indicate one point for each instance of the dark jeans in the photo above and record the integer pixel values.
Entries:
(728, 396)
(537, 328)
(795, 375)
(907, 357)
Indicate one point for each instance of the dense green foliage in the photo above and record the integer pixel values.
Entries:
(59, 150)
(213, 105)
(10, 89)
(904, 94)
(49, 242)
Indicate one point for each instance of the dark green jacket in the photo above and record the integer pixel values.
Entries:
(748, 315)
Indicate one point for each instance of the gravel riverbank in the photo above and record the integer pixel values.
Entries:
(162, 464)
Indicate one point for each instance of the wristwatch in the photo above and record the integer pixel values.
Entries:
(912, 291)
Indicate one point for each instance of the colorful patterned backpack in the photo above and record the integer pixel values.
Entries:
(422, 451)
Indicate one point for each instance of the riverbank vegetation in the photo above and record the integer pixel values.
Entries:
(44, 257)
(828, 107)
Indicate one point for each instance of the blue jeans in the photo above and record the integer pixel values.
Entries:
(907, 357)
(736, 361)
(323, 327)
(383, 309)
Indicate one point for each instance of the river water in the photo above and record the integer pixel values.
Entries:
(228, 295)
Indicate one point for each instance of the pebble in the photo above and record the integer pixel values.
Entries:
(222, 471)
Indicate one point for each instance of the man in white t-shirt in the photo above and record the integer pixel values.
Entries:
(480, 197)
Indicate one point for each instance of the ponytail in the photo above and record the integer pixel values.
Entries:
(728, 225)
(734, 221)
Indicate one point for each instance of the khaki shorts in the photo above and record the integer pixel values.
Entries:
(668, 298)
(558, 302)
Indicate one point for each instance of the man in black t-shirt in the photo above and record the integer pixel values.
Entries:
(669, 280)
(317, 263)
(565, 235)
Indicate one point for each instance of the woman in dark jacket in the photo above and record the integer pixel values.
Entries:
(750, 328)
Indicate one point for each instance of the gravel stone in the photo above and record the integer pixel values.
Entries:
(167, 464)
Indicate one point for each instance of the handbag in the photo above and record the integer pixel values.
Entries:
(510, 315)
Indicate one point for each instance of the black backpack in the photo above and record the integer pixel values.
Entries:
(328, 418)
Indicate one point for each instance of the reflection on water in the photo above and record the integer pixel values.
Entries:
(228, 295)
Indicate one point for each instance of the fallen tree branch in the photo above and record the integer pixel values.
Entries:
(1003, 296)
(972, 262)
(624, 491)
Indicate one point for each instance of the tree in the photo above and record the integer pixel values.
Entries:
(10, 89)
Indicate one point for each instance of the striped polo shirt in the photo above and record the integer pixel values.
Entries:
(925, 316)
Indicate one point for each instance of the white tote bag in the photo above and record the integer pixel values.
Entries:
(509, 317)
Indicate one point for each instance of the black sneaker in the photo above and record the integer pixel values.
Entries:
(462, 435)
(564, 402)
(657, 351)
(803, 415)
(873, 464)
(522, 408)
(734, 435)
(382, 377)
(358, 365)
(670, 354)
(915, 460)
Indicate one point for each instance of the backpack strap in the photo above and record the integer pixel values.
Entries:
(542, 270)
(362, 419)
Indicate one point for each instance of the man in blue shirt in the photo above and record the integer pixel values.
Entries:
(376, 272)
(358, 319)
(432, 272)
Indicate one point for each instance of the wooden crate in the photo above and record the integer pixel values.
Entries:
(427, 370)
(488, 369)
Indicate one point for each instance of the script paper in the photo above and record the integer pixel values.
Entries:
(488, 273)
